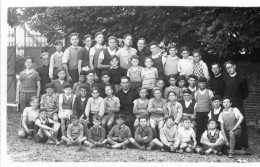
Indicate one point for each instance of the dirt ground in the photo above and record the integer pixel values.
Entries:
(24, 150)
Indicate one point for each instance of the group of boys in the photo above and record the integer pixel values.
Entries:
(174, 118)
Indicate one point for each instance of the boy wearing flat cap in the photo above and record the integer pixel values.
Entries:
(120, 134)
(203, 97)
(217, 108)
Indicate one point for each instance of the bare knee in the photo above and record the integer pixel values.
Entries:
(22, 134)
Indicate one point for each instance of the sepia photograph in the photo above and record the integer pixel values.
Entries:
(130, 83)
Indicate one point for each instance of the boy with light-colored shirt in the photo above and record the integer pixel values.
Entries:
(171, 62)
(56, 60)
(200, 68)
(134, 73)
(185, 65)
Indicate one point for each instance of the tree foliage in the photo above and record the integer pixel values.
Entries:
(221, 32)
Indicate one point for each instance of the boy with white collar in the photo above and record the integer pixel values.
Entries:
(217, 108)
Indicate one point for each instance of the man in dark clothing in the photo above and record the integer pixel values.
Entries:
(216, 83)
(44, 71)
(126, 97)
(235, 86)
(142, 51)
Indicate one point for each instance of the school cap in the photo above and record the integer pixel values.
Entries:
(226, 97)
(202, 79)
(187, 91)
(42, 109)
(73, 116)
(96, 117)
(60, 69)
(83, 87)
(105, 73)
(153, 43)
(90, 71)
(57, 42)
(216, 97)
(66, 85)
(48, 85)
(193, 76)
(212, 119)
(120, 116)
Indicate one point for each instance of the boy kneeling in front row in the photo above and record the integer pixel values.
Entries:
(212, 139)
(46, 128)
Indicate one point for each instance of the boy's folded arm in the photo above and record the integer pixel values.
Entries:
(103, 135)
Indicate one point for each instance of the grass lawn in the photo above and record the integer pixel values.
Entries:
(24, 150)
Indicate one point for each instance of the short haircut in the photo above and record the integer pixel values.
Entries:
(49, 85)
(83, 72)
(229, 62)
(83, 87)
(172, 76)
(185, 48)
(185, 118)
(142, 88)
(196, 51)
(42, 109)
(168, 117)
(159, 79)
(44, 54)
(134, 57)
(96, 117)
(90, 71)
(34, 98)
(112, 37)
(98, 33)
(215, 63)
(60, 69)
(143, 117)
(95, 88)
(170, 93)
(148, 58)
(153, 43)
(29, 57)
(126, 35)
(125, 77)
(105, 73)
(87, 36)
(74, 34)
(109, 86)
(141, 39)
(155, 89)
(114, 57)
(67, 85)
(73, 117)
(57, 42)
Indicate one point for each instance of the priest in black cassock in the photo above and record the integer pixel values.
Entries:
(235, 86)
(142, 51)
(216, 83)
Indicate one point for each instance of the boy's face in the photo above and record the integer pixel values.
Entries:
(108, 91)
(181, 83)
(58, 47)
(43, 114)
(74, 40)
(227, 103)
(112, 44)
(212, 125)
(128, 41)
(157, 94)
(82, 78)
(192, 82)
(186, 124)
(148, 63)
(114, 62)
(105, 78)
(95, 93)
(88, 42)
(187, 96)
(172, 97)
(83, 92)
(96, 123)
(90, 77)
(140, 44)
(45, 60)
(202, 85)
(75, 121)
(100, 38)
(154, 49)
(34, 104)
(185, 54)
(160, 84)
(28, 63)
(62, 75)
(169, 122)
(215, 69)
(135, 62)
(172, 81)
(143, 122)
(120, 121)
(67, 91)
(173, 51)
(49, 91)
(216, 103)
(143, 93)
(231, 69)
(196, 57)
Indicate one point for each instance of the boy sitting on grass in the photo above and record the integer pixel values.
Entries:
(74, 132)
(97, 133)
(120, 134)
(212, 139)
(45, 128)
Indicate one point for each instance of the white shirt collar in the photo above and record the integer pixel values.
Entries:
(202, 91)
(233, 75)
(193, 89)
(67, 96)
(217, 76)
(216, 111)
(87, 48)
(125, 91)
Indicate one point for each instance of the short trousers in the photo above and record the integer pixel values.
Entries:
(108, 118)
(237, 132)
(206, 147)
(156, 120)
(65, 114)
(38, 139)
